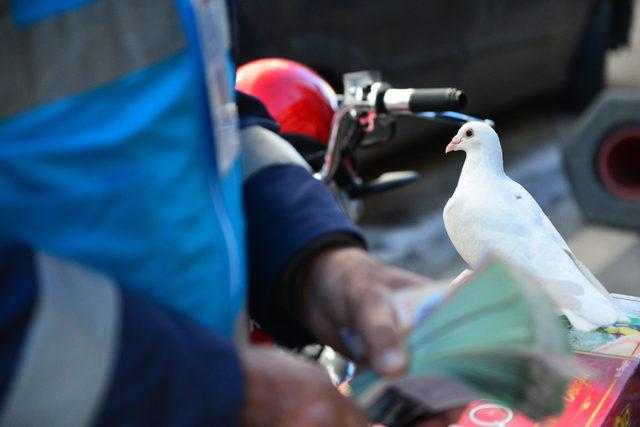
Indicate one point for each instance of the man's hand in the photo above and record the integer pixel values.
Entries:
(348, 288)
(285, 390)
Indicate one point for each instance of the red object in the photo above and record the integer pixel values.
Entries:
(619, 163)
(297, 97)
(609, 397)
(258, 336)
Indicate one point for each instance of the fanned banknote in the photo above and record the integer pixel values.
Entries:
(495, 336)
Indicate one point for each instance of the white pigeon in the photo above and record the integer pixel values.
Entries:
(491, 213)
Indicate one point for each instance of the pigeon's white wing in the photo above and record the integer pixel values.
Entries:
(551, 232)
(583, 304)
(588, 274)
(506, 219)
(529, 203)
(499, 215)
(622, 317)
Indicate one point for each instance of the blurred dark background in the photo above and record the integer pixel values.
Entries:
(532, 66)
(499, 51)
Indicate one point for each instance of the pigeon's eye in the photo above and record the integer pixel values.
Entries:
(469, 133)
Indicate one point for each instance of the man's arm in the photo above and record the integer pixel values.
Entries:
(309, 275)
(80, 353)
(291, 218)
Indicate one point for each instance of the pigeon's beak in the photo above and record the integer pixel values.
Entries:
(452, 145)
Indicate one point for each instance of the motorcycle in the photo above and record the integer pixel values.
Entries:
(329, 130)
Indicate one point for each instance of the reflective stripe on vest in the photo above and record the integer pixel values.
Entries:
(104, 40)
(70, 349)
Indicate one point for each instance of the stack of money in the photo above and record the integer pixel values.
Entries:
(496, 336)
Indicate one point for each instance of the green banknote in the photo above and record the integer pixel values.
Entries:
(496, 336)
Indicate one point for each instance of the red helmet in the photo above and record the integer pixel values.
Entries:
(299, 99)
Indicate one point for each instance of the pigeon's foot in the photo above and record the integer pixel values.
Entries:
(579, 323)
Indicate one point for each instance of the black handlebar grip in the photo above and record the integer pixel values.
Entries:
(420, 100)
(439, 99)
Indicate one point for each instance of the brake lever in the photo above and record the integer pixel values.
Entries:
(385, 182)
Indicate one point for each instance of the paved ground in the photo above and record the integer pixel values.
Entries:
(405, 227)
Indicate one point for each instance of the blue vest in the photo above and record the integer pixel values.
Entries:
(125, 177)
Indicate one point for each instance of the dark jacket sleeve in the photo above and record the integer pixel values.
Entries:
(171, 372)
(252, 112)
(291, 217)
(168, 370)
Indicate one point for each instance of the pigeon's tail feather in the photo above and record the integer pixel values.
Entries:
(596, 312)
(586, 308)
(588, 275)
(600, 314)
(578, 322)
(593, 280)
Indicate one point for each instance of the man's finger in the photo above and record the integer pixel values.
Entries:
(328, 333)
(401, 279)
(375, 324)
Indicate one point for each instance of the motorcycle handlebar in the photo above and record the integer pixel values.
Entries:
(420, 100)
